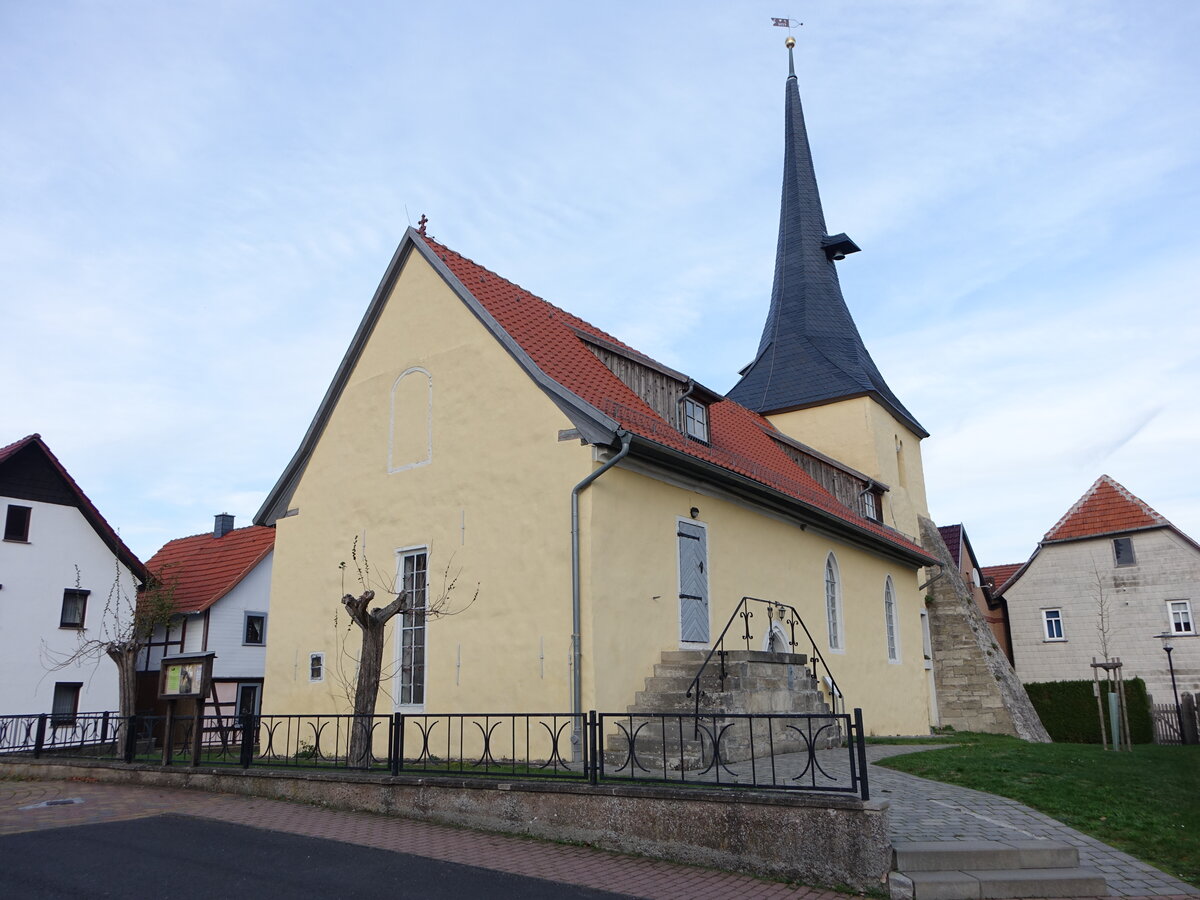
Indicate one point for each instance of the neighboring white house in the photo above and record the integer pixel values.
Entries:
(221, 585)
(1112, 553)
(65, 578)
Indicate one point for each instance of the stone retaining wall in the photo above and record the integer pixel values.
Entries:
(820, 840)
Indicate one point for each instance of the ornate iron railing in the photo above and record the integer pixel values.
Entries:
(797, 752)
(523, 745)
(772, 752)
(785, 615)
(93, 735)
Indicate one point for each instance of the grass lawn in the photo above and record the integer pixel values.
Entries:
(1145, 802)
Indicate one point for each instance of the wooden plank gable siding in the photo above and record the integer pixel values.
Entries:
(662, 392)
(847, 488)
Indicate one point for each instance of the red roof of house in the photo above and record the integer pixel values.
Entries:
(740, 439)
(90, 513)
(952, 536)
(1106, 508)
(204, 568)
(997, 576)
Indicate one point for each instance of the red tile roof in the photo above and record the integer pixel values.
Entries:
(86, 507)
(204, 568)
(952, 535)
(1106, 508)
(997, 576)
(739, 438)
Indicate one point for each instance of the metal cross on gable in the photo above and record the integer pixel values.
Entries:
(421, 222)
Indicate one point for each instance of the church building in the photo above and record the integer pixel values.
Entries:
(606, 508)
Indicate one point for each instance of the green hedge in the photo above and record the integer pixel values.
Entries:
(1068, 710)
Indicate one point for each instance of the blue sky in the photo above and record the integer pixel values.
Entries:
(198, 200)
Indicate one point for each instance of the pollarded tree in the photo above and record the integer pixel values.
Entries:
(407, 596)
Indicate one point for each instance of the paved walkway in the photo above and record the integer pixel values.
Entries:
(923, 810)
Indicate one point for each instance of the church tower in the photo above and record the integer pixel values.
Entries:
(812, 376)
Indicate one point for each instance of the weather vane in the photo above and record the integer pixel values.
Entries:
(789, 24)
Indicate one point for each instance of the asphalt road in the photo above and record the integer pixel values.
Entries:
(179, 857)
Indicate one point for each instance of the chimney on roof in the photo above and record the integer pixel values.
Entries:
(222, 525)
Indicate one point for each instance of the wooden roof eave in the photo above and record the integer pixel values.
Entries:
(776, 500)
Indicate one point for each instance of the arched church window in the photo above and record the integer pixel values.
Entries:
(833, 603)
(890, 622)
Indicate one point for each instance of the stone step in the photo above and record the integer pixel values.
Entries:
(934, 856)
(756, 669)
(998, 884)
(780, 703)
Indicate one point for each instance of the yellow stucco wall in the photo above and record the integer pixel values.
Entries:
(487, 490)
(631, 605)
(492, 501)
(865, 436)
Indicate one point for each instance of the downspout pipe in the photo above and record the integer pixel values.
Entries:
(576, 594)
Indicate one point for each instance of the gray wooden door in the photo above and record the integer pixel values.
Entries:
(693, 583)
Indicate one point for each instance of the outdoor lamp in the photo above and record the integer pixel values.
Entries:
(1165, 637)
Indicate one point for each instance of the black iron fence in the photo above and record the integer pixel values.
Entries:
(819, 752)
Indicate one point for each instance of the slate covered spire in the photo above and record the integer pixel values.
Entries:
(811, 352)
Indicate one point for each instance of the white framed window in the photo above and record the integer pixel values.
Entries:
(412, 578)
(695, 420)
(1123, 554)
(890, 623)
(316, 667)
(1180, 612)
(833, 604)
(871, 506)
(1052, 625)
(254, 629)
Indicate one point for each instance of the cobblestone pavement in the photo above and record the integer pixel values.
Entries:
(923, 810)
(33, 805)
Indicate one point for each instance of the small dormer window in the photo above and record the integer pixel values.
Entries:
(695, 420)
(870, 506)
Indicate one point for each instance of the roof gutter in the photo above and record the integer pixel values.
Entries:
(576, 601)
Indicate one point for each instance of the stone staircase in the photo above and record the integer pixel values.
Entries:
(756, 682)
(964, 870)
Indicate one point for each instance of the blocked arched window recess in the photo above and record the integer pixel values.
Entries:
(410, 429)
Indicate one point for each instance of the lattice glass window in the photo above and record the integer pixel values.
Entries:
(833, 603)
(414, 582)
(1181, 617)
(316, 667)
(870, 506)
(695, 420)
(889, 621)
(1052, 622)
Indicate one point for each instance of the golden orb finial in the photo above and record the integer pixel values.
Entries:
(790, 42)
